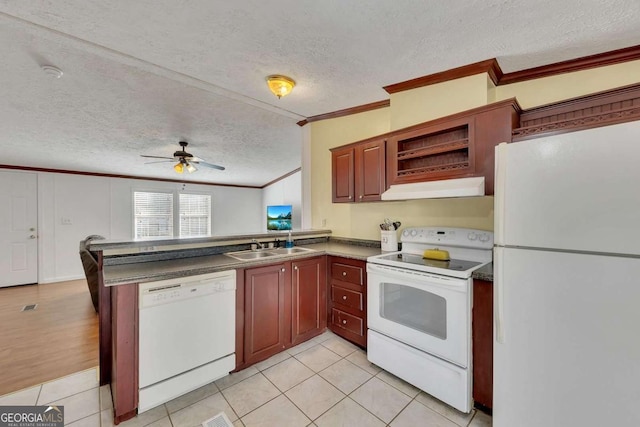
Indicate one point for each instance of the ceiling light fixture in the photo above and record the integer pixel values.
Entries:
(184, 164)
(280, 85)
(52, 71)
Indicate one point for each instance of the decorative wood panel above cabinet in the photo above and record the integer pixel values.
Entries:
(358, 171)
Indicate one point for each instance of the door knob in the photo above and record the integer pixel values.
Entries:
(33, 236)
(32, 229)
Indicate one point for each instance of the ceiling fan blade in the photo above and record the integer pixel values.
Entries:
(156, 157)
(159, 161)
(208, 165)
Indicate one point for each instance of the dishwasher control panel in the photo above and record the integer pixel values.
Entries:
(174, 290)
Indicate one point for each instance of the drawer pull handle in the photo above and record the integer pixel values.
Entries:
(344, 322)
(344, 297)
(344, 273)
(282, 269)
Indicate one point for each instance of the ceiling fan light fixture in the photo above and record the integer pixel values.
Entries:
(191, 168)
(179, 167)
(280, 85)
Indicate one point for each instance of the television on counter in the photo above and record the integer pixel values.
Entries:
(278, 217)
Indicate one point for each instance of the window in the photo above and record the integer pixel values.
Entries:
(153, 214)
(158, 214)
(195, 215)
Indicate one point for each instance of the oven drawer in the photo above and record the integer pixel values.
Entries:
(347, 298)
(347, 273)
(347, 321)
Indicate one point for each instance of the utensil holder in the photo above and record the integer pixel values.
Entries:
(389, 240)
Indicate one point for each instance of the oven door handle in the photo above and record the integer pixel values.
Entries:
(453, 284)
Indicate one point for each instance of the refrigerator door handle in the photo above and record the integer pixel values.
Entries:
(498, 294)
(499, 193)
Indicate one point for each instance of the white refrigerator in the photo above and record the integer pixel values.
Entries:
(567, 280)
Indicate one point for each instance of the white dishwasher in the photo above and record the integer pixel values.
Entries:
(186, 335)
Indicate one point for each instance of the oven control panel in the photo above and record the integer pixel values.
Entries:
(467, 237)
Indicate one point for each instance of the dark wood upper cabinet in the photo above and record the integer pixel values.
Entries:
(343, 175)
(267, 317)
(457, 146)
(308, 298)
(370, 170)
(441, 151)
(358, 172)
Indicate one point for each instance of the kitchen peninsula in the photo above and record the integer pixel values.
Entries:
(300, 314)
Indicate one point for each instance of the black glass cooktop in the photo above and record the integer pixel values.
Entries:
(417, 260)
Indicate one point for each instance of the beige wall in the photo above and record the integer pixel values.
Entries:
(327, 134)
(415, 106)
(360, 220)
(533, 93)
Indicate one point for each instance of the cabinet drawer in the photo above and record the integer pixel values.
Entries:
(346, 297)
(347, 273)
(347, 321)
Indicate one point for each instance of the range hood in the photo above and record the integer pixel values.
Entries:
(461, 187)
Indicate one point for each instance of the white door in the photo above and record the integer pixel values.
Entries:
(569, 351)
(18, 228)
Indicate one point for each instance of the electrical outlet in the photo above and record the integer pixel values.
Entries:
(65, 221)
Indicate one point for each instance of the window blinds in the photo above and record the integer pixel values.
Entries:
(195, 215)
(153, 214)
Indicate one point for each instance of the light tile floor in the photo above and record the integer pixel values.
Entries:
(324, 382)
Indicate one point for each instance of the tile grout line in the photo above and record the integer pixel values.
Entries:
(314, 374)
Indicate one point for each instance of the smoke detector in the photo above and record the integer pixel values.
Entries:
(52, 71)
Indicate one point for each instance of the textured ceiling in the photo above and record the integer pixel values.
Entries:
(141, 75)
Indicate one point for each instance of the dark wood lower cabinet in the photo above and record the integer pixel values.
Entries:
(267, 295)
(309, 299)
(279, 306)
(347, 315)
(483, 344)
(124, 363)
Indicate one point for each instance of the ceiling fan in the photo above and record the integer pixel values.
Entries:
(185, 160)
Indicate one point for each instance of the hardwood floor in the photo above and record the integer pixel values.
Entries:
(58, 338)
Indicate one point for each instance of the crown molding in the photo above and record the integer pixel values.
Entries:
(110, 175)
(579, 64)
(347, 112)
(489, 66)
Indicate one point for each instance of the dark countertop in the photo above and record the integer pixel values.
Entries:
(484, 273)
(124, 247)
(174, 268)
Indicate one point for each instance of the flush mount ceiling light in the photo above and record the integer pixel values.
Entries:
(280, 85)
(52, 71)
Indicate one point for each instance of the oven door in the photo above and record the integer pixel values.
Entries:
(426, 311)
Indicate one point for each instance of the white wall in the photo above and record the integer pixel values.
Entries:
(287, 191)
(71, 207)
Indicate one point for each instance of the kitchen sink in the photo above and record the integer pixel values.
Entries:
(289, 251)
(266, 253)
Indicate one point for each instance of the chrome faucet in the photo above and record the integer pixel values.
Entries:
(258, 243)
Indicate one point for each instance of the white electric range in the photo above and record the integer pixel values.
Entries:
(419, 310)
